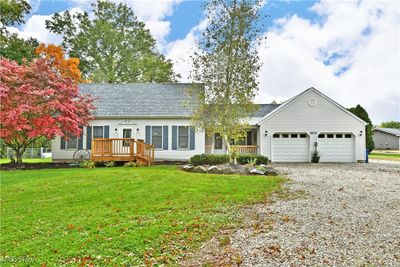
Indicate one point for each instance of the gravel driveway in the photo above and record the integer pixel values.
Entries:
(340, 215)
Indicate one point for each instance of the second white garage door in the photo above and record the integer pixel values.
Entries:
(290, 147)
(336, 147)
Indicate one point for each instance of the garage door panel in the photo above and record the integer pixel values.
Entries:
(340, 148)
(290, 149)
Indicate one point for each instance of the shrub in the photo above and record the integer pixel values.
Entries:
(315, 157)
(252, 162)
(87, 164)
(110, 164)
(244, 159)
(209, 159)
(131, 164)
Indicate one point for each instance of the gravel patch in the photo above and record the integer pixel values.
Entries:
(340, 215)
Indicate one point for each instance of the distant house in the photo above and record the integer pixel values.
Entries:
(387, 138)
(160, 114)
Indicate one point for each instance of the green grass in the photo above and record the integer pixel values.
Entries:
(117, 216)
(385, 156)
(34, 160)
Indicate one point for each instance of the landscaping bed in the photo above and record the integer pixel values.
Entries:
(247, 164)
(231, 169)
(36, 166)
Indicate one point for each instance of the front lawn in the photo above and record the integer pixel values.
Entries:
(115, 216)
(33, 160)
(385, 156)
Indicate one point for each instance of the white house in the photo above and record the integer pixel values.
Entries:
(160, 114)
(386, 138)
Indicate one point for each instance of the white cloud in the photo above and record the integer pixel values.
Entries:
(154, 13)
(35, 27)
(360, 37)
(179, 51)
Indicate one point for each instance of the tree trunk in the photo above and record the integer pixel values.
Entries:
(232, 156)
(18, 157)
(18, 154)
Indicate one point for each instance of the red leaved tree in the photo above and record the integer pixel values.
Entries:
(36, 101)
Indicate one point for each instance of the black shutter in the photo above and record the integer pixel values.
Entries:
(148, 135)
(80, 139)
(89, 137)
(165, 137)
(62, 142)
(106, 131)
(192, 135)
(174, 138)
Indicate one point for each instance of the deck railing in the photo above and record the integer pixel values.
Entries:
(121, 149)
(248, 149)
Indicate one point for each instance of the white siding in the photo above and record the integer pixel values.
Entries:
(119, 124)
(300, 117)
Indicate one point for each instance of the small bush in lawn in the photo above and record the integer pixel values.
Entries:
(110, 164)
(131, 164)
(87, 164)
(244, 159)
(209, 159)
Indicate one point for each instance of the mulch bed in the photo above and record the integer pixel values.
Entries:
(36, 166)
(59, 165)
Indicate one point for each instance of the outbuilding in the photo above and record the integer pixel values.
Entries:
(386, 138)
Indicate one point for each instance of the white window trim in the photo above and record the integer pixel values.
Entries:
(188, 136)
(162, 136)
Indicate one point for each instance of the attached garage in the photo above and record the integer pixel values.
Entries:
(336, 147)
(289, 132)
(290, 147)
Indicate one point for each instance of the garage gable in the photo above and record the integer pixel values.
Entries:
(313, 105)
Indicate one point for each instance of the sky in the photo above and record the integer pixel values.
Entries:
(348, 50)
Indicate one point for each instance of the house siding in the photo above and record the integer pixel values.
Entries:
(300, 117)
(384, 140)
(119, 124)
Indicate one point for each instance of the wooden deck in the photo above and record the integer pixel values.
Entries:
(122, 149)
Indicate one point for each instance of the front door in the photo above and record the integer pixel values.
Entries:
(127, 132)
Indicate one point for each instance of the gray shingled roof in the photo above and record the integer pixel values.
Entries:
(393, 131)
(139, 100)
(264, 109)
(148, 100)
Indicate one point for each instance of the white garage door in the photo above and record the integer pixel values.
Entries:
(290, 147)
(336, 147)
